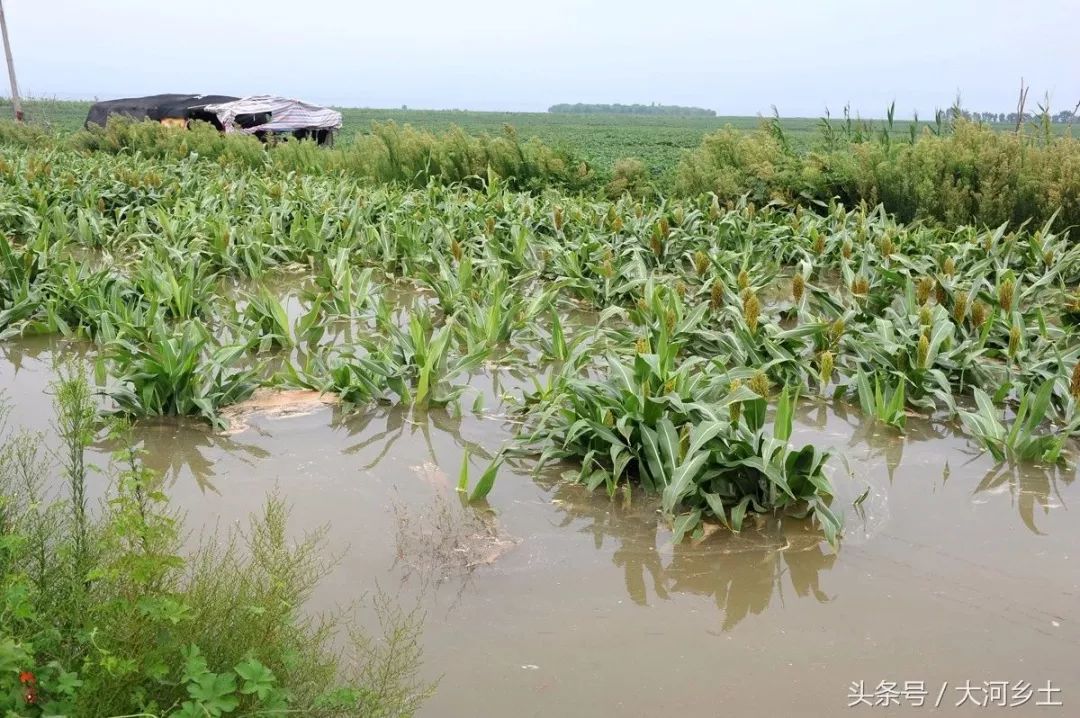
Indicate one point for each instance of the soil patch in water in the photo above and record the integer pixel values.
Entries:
(275, 404)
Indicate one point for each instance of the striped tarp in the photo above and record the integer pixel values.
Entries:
(285, 114)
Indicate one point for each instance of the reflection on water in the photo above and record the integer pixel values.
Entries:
(15, 355)
(941, 452)
(879, 440)
(1028, 486)
(385, 428)
(170, 447)
(743, 574)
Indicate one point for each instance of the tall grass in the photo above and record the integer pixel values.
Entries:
(970, 174)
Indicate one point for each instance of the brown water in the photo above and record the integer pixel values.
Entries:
(949, 570)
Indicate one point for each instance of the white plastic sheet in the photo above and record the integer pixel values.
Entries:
(285, 114)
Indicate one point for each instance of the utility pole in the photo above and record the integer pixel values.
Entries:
(10, 67)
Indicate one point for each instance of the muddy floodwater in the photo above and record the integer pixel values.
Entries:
(557, 602)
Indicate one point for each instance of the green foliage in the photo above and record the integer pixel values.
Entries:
(195, 281)
(969, 175)
(600, 139)
(1026, 438)
(178, 372)
(629, 176)
(484, 484)
(680, 429)
(419, 363)
(388, 153)
(952, 171)
(267, 321)
(886, 405)
(104, 614)
(731, 164)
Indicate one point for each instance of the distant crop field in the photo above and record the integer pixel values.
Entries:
(601, 139)
(64, 115)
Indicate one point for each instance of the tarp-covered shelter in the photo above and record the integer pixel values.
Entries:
(277, 115)
(259, 115)
(158, 108)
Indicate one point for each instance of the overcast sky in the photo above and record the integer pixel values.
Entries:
(737, 58)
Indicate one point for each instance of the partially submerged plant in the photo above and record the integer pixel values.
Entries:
(267, 320)
(885, 404)
(1024, 439)
(627, 427)
(179, 372)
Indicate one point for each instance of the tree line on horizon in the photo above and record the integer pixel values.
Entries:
(1062, 117)
(620, 109)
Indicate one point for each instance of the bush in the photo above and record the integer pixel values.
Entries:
(971, 174)
(104, 615)
(966, 173)
(393, 153)
(730, 163)
(23, 134)
(629, 176)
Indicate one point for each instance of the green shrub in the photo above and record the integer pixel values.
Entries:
(103, 614)
(971, 174)
(730, 163)
(23, 134)
(629, 176)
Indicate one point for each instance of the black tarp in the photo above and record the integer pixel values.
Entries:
(157, 108)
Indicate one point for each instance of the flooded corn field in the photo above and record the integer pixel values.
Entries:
(565, 598)
(299, 443)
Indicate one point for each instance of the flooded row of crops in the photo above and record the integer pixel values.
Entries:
(945, 556)
(743, 459)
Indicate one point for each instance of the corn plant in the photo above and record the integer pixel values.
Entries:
(419, 365)
(355, 377)
(923, 357)
(266, 321)
(683, 432)
(486, 481)
(762, 471)
(885, 405)
(178, 372)
(344, 289)
(1028, 438)
(183, 292)
(20, 294)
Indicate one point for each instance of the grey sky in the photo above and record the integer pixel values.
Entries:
(735, 57)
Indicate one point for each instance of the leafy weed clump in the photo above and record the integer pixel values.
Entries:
(105, 613)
